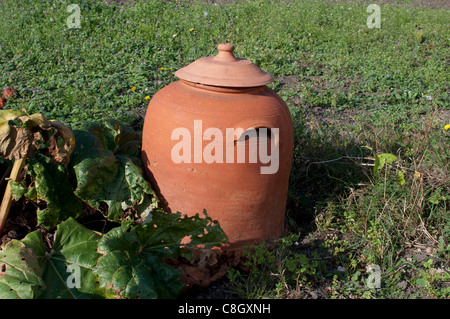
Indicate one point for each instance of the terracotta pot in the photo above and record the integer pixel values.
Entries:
(215, 98)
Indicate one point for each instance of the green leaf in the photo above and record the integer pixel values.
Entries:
(20, 189)
(108, 169)
(437, 197)
(77, 246)
(132, 265)
(126, 140)
(52, 185)
(401, 178)
(66, 271)
(165, 233)
(74, 247)
(128, 270)
(381, 159)
(172, 229)
(20, 272)
(421, 282)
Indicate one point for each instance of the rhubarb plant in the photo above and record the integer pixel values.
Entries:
(21, 137)
(105, 167)
(132, 265)
(129, 261)
(98, 165)
(51, 189)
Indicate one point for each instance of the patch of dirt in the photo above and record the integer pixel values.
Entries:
(330, 116)
(120, 2)
(21, 220)
(426, 4)
(289, 81)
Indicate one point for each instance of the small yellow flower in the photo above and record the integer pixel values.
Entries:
(191, 29)
(147, 97)
(447, 127)
(161, 68)
(133, 88)
(416, 174)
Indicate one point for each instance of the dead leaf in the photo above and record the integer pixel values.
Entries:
(62, 143)
(9, 93)
(22, 135)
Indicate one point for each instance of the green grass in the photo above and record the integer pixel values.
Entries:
(353, 92)
(338, 60)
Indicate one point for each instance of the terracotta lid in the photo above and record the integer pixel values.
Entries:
(224, 70)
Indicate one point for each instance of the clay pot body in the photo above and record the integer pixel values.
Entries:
(249, 204)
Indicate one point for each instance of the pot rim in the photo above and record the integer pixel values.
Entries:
(222, 89)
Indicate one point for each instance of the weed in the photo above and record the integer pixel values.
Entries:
(277, 272)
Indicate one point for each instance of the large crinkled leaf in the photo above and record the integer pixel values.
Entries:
(132, 265)
(75, 246)
(166, 234)
(128, 271)
(22, 135)
(52, 186)
(107, 168)
(20, 272)
(69, 263)
(126, 140)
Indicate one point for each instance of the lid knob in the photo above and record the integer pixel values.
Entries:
(225, 53)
